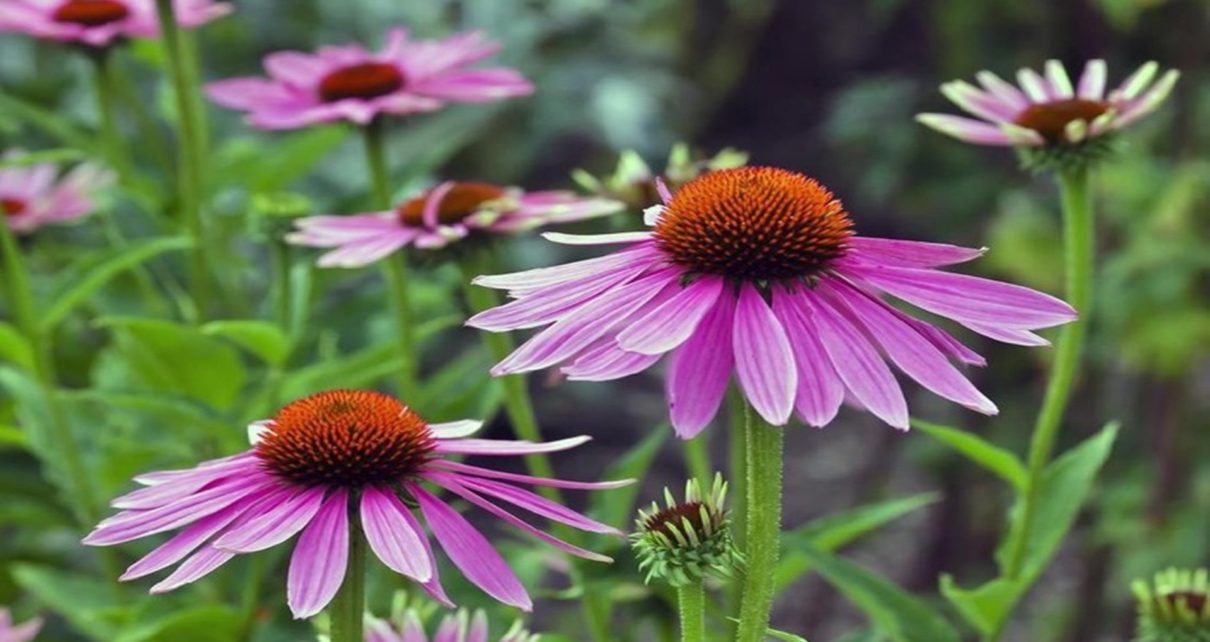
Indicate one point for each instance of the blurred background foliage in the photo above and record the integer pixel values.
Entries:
(821, 86)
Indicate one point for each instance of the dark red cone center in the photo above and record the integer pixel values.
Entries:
(91, 13)
(367, 80)
(1051, 119)
(12, 206)
(461, 201)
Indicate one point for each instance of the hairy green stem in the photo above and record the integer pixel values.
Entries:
(517, 403)
(691, 598)
(737, 410)
(1078, 239)
(763, 471)
(347, 611)
(192, 153)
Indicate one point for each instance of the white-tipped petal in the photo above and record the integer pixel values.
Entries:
(1060, 83)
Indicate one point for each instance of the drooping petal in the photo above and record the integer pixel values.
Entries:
(391, 537)
(820, 389)
(915, 254)
(969, 130)
(671, 323)
(764, 363)
(455, 429)
(470, 551)
(476, 471)
(554, 302)
(700, 369)
(605, 360)
(276, 525)
(317, 567)
(521, 283)
(535, 504)
(200, 564)
(506, 447)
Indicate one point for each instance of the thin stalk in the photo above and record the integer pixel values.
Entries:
(282, 290)
(737, 410)
(691, 599)
(394, 268)
(697, 458)
(763, 527)
(1078, 241)
(192, 155)
(347, 611)
(517, 403)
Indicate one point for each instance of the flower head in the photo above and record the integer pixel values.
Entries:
(453, 211)
(1049, 118)
(634, 184)
(454, 628)
(1175, 607)
(758, 271)
(10, 632)
(320, 459)
(32, 196)
(685, 541)
(352, 84)
(100, 23)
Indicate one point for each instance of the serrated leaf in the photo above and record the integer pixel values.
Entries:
(833, 531)
(92, 275)
(896, 613)
(979, 451)
(15, 348)
(261, 338)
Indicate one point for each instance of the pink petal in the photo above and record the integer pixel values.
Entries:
(470, 551)
(523, 283)
(763, 358)
(672, 323)
(533, 503)
(966, 129)
(820, 389)
(552, 303)
(198, 565)
(275, 525)
(606, 361)
(912, 254)
(700, 369)
(390, 536)
(505, 447)
(476, 471)
(317, 567)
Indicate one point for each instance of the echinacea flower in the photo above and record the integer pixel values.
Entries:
(99, 23)
(450, 212)
(1174, 607)
(33, 196)
(10, 632)
(351, 84)
(454, 628)
(321, 459)
(687, 540)
(1047, 110)
(757, 271)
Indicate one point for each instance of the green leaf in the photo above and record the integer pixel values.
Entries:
(242, 161)
(15, 348)
(12, 436)
(833, 531)
(201, 624)
(44, 156)
(351, 371)
(985, 607)
(47, 120)
(261, 338)
(92, 607)
(994, 458)
(169, 357)
(92, 275)
(616, 507)
(893, 611)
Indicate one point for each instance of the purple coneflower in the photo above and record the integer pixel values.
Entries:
(1047, 109)
(448, 213)
(31, 196)
(99, 23)
(757, 271)
(10, 632)
(454, 628)
(351, 84)
(321, 459)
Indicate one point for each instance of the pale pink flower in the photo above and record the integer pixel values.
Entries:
(323, 458)
(756, 272)
(350, 83)
(99, 23)
(451, 212)
(33, 196)
(1047, 108)
(10, 632)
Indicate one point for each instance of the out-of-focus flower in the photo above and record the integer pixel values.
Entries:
(99, 23)
(32, 196)
(352, 84)
(634, 184)
(757, 271)
(1175, 607)
(451, 212)
(1047, 116)
(10, 632)
(686, 541)
(321, 459)
(454, 628)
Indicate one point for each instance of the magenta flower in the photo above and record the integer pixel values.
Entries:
(23, 633)
(454, 628)
(450, 212)
(99, 23)
(318, 460)
(757, 271)
(1047, 108)
(350, 83)
(31, 197)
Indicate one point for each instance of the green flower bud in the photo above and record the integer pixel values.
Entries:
(1175, 607)
(687, 541)
(634, 183)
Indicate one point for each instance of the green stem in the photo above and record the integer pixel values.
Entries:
(192, 154)
(691, 598)
(282, 295)
(394, 268)
(1078, 241)
(348, 607)
(697, 458)
(115, 150)
(737, 410)
(763, 533)
(517, 403)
